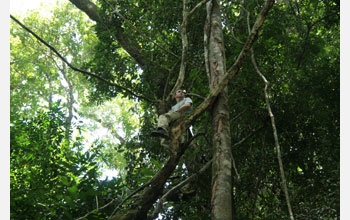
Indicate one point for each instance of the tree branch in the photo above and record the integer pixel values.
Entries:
(178, 186)
(79, 70)
(196, 7)
(88, 7)
(195, 95)
(129, 196)
(95, 210)
(128, 44)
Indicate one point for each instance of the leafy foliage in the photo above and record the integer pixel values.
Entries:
(50, 178)
(297, 51)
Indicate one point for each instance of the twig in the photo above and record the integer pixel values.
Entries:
(178, 186)
(235, 168)
(102, 207)
(196, 7)
(77, 69)
(168, 78)
(195, 95)
(232, 32)
(95, 210)
(248, 136)
(238, 143)
(237, 116)
(129, 196)
(194, 137)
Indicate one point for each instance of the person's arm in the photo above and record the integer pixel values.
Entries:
(184, 107)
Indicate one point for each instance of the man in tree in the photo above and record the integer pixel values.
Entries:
(183, 106)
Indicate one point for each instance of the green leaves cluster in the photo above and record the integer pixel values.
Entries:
(49, 177)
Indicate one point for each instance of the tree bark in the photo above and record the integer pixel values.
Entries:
(221, 199)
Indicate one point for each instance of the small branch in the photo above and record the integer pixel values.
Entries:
(77, 69)
(129, 196)
(248, 15)
(195, 95)
(168, 78)
(196, 7)
(237, 116)
(178, 186)
(95, 210)
(194, 137)
(238, 143)
(246, 138)
(230, 28)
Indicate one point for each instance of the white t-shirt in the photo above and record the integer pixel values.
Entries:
(181, 103)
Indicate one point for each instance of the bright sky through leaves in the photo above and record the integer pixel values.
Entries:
(21, 6)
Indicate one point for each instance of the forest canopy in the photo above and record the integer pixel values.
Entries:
(89, 79)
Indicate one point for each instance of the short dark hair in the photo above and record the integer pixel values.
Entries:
(183, 90)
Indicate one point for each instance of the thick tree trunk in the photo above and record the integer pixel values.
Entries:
(221, 199)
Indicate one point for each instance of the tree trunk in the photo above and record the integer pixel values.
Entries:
(221, 199)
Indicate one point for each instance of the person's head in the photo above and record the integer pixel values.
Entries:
(180, 94)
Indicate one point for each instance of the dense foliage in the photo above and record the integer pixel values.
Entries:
(298, 52)
(50, 177)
